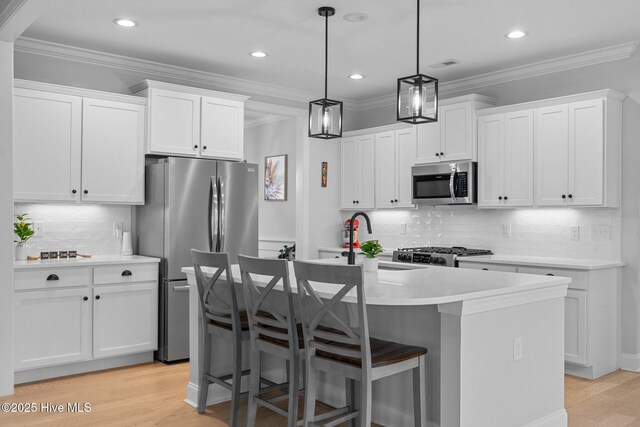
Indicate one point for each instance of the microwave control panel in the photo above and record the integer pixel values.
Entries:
(461, 187)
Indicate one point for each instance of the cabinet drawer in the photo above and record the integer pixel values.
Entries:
(578, 278)
(125, 273)
(52, 278)
(489, 267)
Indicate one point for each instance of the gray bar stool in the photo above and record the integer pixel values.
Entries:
(273, 331)
(220, 311)
(349, 351)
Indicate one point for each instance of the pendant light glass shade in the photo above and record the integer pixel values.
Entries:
(325, 115)
(417, 96)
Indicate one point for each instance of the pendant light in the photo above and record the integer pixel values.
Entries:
(325, 115)
(417, 94)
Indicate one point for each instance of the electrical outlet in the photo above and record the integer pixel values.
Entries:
(518, 350)
(506, 231)
(600, 232)
(403, 229)
(575, 232)
(37, 229)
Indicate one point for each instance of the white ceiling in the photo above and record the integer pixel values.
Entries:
(217, 36)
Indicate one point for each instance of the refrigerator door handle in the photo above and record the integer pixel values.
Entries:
(213, 215)
(222, 220)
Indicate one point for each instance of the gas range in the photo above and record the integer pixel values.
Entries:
(436, 255)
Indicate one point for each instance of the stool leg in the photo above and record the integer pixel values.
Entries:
(365, 402)
(294, 390)
(205, 366)
(309, 395)
(351, 398)
(236, 380)
(420, 393)
(254, 387)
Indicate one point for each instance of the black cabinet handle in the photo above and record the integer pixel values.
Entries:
(85, 298)
(396, 200)
(73, 191)
(499, 197)
(391, 200)
(354, 202)
(53, 277)
(86, 191)
(505, 197)
(441, 153)
(204, 147)
(564, 196)
(357, 202)
(97, 296)
(437, 155)
(549, 274)
(571, 196)
(127, 273)
(485, 269)
(195, 146)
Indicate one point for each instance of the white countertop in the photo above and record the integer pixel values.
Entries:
(84, 262)
(427, 286)
(535, 261)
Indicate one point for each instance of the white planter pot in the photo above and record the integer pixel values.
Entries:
(21, 252)
(371, 264)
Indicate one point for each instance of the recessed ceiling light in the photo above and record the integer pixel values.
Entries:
(355, 17)
(516, 34)
(124, 22)
(258, 54)
(356, 76)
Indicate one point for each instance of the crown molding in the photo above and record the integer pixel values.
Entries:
(85, 93)
(186, 76)
(470, 84)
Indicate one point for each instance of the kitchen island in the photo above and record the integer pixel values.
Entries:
(495, 341)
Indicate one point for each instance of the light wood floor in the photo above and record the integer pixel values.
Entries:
(152, 395)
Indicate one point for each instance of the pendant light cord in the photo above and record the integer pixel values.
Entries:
(326, 52)
(418, 40)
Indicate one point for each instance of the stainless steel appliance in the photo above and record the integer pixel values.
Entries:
(193, 203)
(445, 183)
(434, 255)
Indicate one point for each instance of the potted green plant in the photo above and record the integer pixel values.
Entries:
(287, 252)
(370, 249)
(24, 231)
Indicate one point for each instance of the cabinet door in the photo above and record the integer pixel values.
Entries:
(174, 119)
(52, 327)
(47, 145)
(490, 160)
(112, 152)
(367, 182)
(586, 153)
(552, 154)
(405, 158)
(428, 143)
(575, 327)
(518, 158)
(456, 132)
(125, 319)
(487, 267)
(222, 129)
(385, 169)
(350, 164)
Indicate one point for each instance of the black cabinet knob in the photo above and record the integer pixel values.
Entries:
(505, 197)
(441, 153)
(127, 273)
(391, 200)
(396, 200)
(86, 191)
(499, 197)
(354, 202)
(571, 196)
(195, 146)
(97, 296)
(437, 155)
(204, 147)
(85, 298)
(485, 269)
(74, 191)
(564, 196)
(53, 277)
(357, 202)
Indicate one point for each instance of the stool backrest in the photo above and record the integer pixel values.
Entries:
(340, 339)
(222, 306)
(264, 318)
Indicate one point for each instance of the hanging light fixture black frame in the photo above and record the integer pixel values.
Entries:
(417, 96)
(327, 112)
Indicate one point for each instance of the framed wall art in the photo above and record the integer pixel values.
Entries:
(275, 178)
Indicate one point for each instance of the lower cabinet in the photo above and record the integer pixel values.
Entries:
(52, 327)
(71, 318)
(575, 327)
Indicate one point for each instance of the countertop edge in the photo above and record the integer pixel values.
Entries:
(84, 262)
(566, 263)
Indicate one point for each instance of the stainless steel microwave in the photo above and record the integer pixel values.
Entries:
(445, 183)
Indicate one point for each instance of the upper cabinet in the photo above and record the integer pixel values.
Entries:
(192, 122)
(453, 136)
(395, 153)
(357, 190)
(77, 145)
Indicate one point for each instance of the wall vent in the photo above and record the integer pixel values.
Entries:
(446, 63)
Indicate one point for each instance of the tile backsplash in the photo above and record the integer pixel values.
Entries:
(91, 229)
(536, 232)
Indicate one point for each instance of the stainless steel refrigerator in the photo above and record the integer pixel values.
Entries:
(193, 203)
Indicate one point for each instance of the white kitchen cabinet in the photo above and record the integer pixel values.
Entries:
(193, 122)
(112, 152)
(125, 319)
(47, 135)
(505, 159)
(395, 154)
(77, 145)
(52, 327)
(358, 172)
(487, 267)
(453, 136)
(575, 327)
